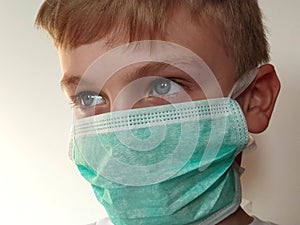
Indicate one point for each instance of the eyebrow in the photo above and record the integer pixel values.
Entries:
(146, 70)
(68, 81)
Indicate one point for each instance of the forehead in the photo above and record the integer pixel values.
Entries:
(203, 38)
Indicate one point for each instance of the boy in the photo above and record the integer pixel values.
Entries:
(153, 132)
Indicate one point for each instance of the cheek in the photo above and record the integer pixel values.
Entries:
(226, 85)
(197, 94)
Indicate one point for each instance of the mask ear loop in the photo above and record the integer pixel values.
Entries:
(238, 88)
(251, 146)
(243, 83)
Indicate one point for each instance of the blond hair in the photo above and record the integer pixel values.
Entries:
(72, 23)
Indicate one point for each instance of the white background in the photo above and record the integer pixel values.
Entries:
(38, 183)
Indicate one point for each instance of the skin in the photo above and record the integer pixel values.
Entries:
(204, 41)
(257, 102)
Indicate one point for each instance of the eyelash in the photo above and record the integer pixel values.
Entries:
(75, 99)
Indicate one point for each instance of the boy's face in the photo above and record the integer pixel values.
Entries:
(205, 40)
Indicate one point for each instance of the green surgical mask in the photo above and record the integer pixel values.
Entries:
(170, 164)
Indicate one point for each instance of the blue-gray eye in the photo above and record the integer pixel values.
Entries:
(164, 86)
(89, 98)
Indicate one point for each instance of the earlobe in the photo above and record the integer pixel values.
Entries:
(259, 99)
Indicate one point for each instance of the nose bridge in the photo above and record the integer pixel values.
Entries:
(129, 98)
(128, 94)
(150, 102)
(121, 100)
(124, 103)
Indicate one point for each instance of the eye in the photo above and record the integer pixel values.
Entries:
(88, 99)
(164, 86)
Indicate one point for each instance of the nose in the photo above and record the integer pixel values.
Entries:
(150, 102)
(145, 102)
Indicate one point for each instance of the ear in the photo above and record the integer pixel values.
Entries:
(258, 101)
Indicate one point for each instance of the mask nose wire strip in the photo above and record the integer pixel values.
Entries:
(243, 83)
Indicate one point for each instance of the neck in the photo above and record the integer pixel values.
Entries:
(239, 217)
